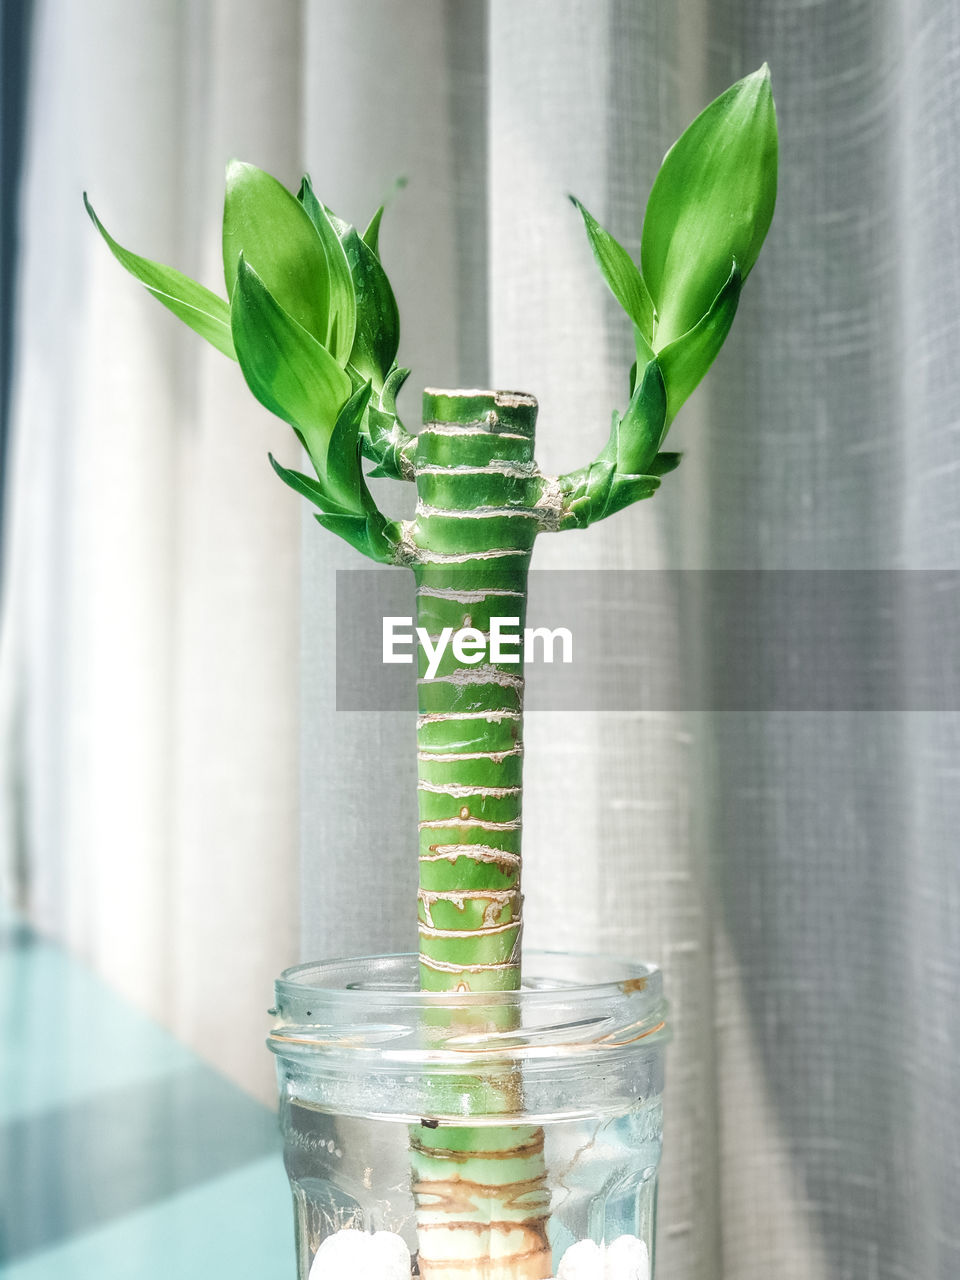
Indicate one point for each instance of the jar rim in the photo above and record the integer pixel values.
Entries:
(347, 1031)
(372, 1006)
(399, 971)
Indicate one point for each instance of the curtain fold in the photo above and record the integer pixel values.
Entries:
(169, 638)
(150, 635)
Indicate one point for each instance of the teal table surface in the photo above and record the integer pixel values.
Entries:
(122, 1155)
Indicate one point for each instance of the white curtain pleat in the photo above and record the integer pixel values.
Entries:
(234, 842)
(835, 866)
(151, 627)
(928, 180)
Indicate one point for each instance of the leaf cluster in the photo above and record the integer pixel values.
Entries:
(311, 318)
(313, 323)
(706, 218)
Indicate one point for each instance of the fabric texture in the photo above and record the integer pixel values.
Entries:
(150, 665)
(794, 872)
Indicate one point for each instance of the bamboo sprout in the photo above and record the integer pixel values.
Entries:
(312, 321)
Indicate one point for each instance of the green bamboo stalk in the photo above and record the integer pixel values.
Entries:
(481, 1193)
(473, 537)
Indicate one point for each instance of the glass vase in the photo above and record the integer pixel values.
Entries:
(479, 1135)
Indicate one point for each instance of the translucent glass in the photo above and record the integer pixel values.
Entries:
(366, 1062)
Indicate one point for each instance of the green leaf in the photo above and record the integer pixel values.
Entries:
(343, 301)
(645, 352)
(712, 202)
(386, 441)
(586, 491)
(625, 490)
(598, 491)
(374, 322)
(371, 237)
(371, 534)
(377, 334)
(685, 361)
(196, 306)
(307, 488)
(351, 528)
(366, 530)
(643, 424)
(664, 463)
(269, 226)
(600, 476)
(621, 274)
(285, 367)
(340, 225)
(342, 469)
(391, 389)
(609, 451)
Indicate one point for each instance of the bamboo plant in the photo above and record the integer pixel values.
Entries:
(311, 319)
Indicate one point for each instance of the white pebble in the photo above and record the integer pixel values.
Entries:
(582, 1261)
(382, 1256)
(625, 1259)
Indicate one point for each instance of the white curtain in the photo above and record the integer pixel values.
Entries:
(150, 666)
(795, 873)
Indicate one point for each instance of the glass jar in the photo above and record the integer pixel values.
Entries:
(498, 1127)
